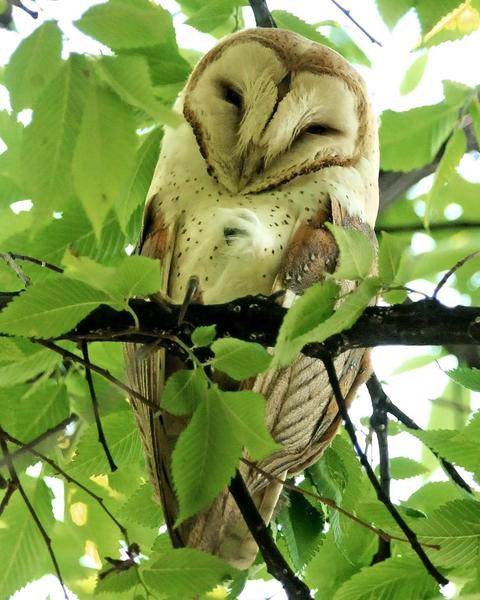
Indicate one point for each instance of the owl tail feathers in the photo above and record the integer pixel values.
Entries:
(221, 530)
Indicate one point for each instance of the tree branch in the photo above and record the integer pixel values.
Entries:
(38, 440)
(379, 424)
(394, 184)
(7, 457)
(348, 14)
(29, 448)
(96, 413)
(263, 17)
(277, 566)
(409, 533)
(258, 318)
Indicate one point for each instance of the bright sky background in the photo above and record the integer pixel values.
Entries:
(455, 60)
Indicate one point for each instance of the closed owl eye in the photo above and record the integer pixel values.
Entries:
(319, 129)
(232, 97)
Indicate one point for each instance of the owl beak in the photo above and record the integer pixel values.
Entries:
(251, 166)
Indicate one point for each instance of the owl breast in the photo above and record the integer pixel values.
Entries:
(233, 243)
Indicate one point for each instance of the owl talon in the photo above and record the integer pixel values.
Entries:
(193, 294)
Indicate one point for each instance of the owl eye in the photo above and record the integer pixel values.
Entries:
(317, 129)
(233, 97)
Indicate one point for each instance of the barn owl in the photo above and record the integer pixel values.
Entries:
(278, 139)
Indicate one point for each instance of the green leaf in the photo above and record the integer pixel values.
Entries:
(33, 64)
(139, 178)
(23, 553)
(286, 20)
(469, 378)
(416, 362)
(245, 414)
(394, 578)
(302, 526)
(129, 77)
(50, 308)
(454, 150)
(390, 255)
(25, 361)
(458, 447)
(132, 276)
(462, 20)
(475, 114)
(329, 568)
(37, 412)
(315, 306)
(183, 391)
(122, 582)
(392, 12)
(204, 336)
(345, 315)
(213, 13)
(208, 450)
(239, 359)
(186, 572)
(356, 253)
(122, 439)
(205, 456)
(430, 13)
(402, 467)
(48, 142)
(455, 527)
(104, 154)
(411, 139)
(141, 508)
(414, 74)
(123, 24)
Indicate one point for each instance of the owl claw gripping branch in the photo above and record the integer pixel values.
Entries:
(279, 138)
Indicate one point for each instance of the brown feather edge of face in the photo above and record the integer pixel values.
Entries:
(338, 67)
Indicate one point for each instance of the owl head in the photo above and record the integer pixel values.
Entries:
(267, 105)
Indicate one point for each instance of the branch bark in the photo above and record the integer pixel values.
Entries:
(258, 318)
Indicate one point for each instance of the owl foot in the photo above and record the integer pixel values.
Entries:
(193, 294)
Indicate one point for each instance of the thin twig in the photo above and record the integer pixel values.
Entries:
(70, 479)
(379, 423)
(410, 423)
(30, 12)
(14, 477)
(409, 533)
(41, 438)
(11, 487)
(276, 564)
(383, 535)
(34, 261)
(451, 271)
(93, 396)
(12, 263)
(263, 17)
(414, 227)
(355, 22)
(69, 356)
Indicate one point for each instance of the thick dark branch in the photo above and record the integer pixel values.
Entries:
(258, 318)
(409, 533)
(379, 424)
(276, 564)
(263, 17)
(394, 184)
(96, 412)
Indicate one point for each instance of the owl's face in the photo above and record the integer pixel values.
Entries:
(267, 105)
